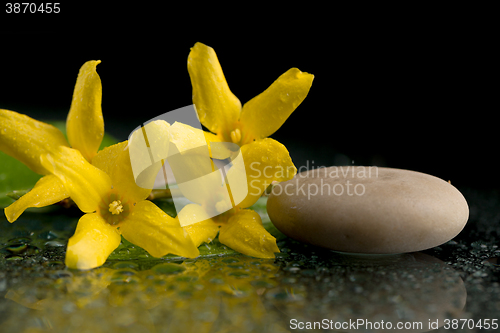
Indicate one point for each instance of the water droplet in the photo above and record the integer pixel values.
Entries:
(229, 260)
(217, 281)
(54, 263)
(289, 280)
(124, 251)
(13, 257)
(17, 248)
(480, 274)
(308, 272)
(61, 274)
(186, 278)
(168, 268)
(48, 235)
(54, 243)
(19, 240)
(124, 276)
(263, 284)
(293, 269)
(125, 264)
(239, 274)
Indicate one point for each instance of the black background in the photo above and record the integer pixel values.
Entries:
(405, 88)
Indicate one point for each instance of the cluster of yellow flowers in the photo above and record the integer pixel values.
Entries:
(102, 183)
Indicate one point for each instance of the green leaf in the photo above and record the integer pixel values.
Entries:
(14, 176)
(17, 194)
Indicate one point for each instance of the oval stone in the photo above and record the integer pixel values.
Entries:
(368, 209)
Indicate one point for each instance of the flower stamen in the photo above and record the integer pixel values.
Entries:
(236, 135)
(115, 207)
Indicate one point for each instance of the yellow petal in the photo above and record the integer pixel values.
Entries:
(115, 161)
(92, 243)
(85, 125)
(265, 161)
(195, 178)
(156, 135)
(25, 139)
(265, 113)
(187, 137)
(202, 232)
(217, 107)
(197, 223)
(47, 191)
(244, 233)
(86, 184)
(152, 229)
(195, 173)
(148, 148)
(217, 147)
(191, 165)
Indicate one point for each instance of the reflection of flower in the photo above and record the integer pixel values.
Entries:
(213, 294)
(115, 205)
(265, 160)
(27, 139)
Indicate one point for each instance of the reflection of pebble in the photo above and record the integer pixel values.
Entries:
(394, 288)
(368, 209)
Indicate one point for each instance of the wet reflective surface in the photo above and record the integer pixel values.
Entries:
(304, 285)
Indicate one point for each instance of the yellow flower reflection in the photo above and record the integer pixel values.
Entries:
(223, 294)
(26, 139)
(115, 205)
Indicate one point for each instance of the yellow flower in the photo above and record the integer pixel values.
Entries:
(105, 189)
(27, 139)
(241, 229)
(265, 159)
(221, 112)
(115, 205)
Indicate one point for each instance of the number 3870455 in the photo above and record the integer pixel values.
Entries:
(31, 7)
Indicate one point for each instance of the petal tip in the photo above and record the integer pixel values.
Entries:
(11, 217)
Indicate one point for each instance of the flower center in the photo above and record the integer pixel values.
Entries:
(236, 135)
(116, 207)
